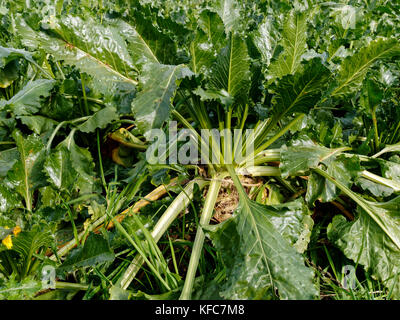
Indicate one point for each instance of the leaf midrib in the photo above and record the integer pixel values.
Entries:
(98, 61)
(360, 70)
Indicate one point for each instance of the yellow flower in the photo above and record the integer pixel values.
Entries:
(17, 230)
(7, 242)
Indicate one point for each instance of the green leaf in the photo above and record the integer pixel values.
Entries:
(152, 105)
(8, 55)
(303, 155)
(228, 10)
(38, 124)
(8, 200)
(207, 42)
(93, 48)
(385, 214)
(7, 159)
(231, 70)
(257, 257)
(140, 50)
(23, 290)
(362, 241)
(354, 68)
(223, 96)
(377, 189)
(265, 39)
(96, 250)
(299, 92)
(8, 74)
(80, 159)
(60, 171)
(100, 119)
(371, 95)
(28, 100)
(26, 174)
(29, 242)
(294, 43)
(343, 169)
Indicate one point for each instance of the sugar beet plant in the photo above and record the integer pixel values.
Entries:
(199, 150)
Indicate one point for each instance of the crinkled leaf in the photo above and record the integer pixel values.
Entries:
(26, 175)
(377, 189)
(93, 48)
(303, 155)
(38, 124)
(258, 258)
(82, 163)
(28, 100)
(152, 105)
(228, 10)
(265, 39)
(354, 68)
(294, 43)
(301, 91)
(100, 120)
(343, 169)
(141, 50)
(223, 96)
(8, 199)
(231, 70)
(96, 250)
(364, 242)
(207, 42)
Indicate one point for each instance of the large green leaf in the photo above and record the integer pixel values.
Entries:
(258, 258)
(299, 92)
(302, 155)
(10, 54)
(38, 124)
(96, 250)
(29, 242)
(208, 39)
(100, 119)
(152, 105)
(141, 50)
(294, 43)
(28, 100)
(69, 155)
(385, 214)
(26, 175)
(231, 70)
(343, 169)
(60, 171)
(228, 10)
(265, 39)
(364, 242)
(95, 49)
(354, 68)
